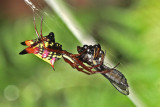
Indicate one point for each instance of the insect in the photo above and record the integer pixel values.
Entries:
(93, 56)
(89, 59)
(40, 45)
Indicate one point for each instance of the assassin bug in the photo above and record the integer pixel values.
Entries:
(46, 48)
(93, 56)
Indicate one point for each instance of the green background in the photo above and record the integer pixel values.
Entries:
(130, 35)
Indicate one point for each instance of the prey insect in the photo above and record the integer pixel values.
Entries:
(89, 59)
(93, 56)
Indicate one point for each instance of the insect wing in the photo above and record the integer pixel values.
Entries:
(122, 87)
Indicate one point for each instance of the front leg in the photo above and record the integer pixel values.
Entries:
(71, 63)
(74, 65)
(98, 65)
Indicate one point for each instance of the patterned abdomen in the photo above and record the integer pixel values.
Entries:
(48, 55)
(45, 48)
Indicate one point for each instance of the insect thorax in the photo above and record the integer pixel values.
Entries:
(88, 54)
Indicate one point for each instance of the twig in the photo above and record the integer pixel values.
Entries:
(64, 13)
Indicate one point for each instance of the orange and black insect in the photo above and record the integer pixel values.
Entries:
(40, 45)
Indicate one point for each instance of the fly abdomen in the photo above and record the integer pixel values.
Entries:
(117, 79)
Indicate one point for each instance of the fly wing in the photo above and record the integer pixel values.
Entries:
(118, 80)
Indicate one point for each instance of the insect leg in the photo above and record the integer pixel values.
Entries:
(74, 65)
(35, 26)
(41, 26)
(101, 62)
(116, 66)
(96, 54)
(81, 70)
(41, 33)
(71, 63)
(75, 55)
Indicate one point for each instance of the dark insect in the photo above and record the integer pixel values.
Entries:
(89, 60)
(94, 56)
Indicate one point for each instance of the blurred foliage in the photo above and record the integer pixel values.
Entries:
(130, 35)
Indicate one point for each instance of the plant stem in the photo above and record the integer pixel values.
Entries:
(66, 16)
